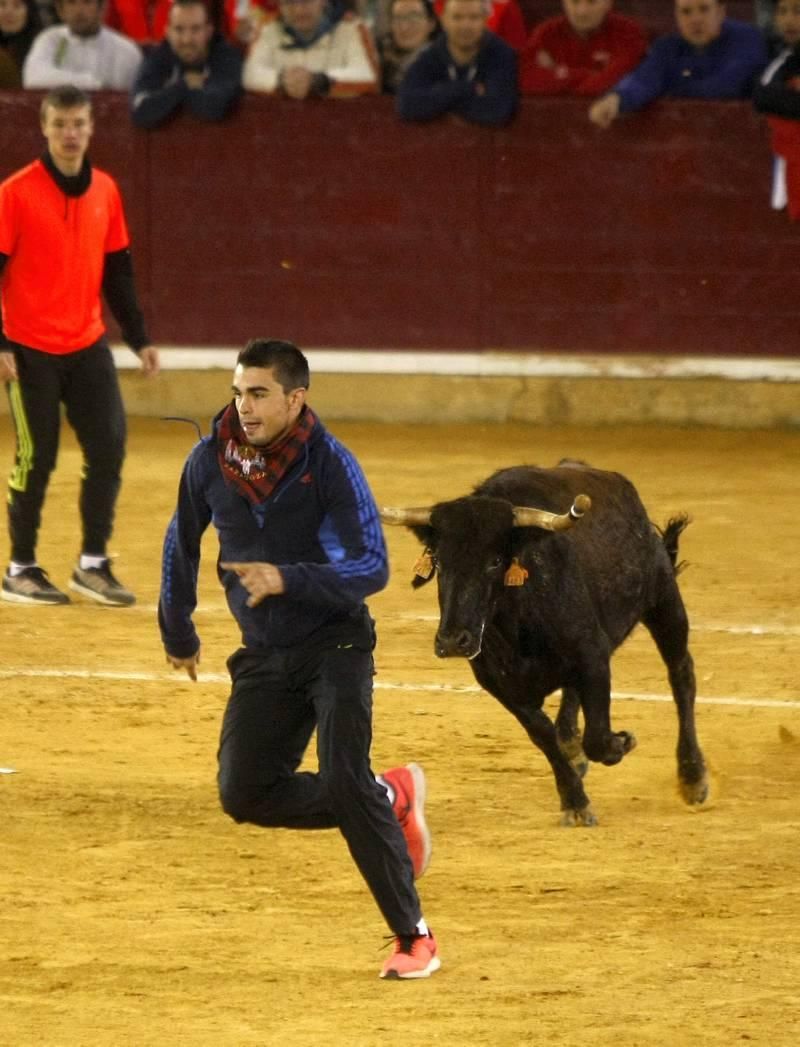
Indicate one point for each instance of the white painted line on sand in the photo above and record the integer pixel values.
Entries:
(380, 685)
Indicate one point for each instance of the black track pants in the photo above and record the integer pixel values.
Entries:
(278, 698)
(86, 383)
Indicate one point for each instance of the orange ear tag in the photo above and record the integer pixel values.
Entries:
(516, 574)
(424, 568)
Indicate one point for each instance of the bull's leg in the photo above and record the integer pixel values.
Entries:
(669, 627)
(569, 736)
(600, 743)
(575, 806)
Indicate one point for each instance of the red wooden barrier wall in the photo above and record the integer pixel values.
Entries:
(338, 226)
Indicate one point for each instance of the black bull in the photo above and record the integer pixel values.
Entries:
(537, 604)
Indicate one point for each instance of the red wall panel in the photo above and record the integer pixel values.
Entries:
(337, 225)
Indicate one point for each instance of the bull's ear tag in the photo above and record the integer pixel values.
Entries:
(424, 568)
(516, 574)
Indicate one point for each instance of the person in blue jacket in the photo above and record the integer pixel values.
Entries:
(301, 547)
(467, 71)
(193, 69)
(711, 57)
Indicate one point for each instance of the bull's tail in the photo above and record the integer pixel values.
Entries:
(670, 536)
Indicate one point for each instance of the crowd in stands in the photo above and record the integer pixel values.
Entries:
(469, 58)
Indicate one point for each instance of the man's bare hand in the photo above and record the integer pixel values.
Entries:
(149, 359)
(605, 110)
(259, 579)
(8, 367)
(189, 664)
(545, 60)
(297, 82)
(195, 79)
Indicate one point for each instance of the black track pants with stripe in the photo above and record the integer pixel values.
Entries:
(279, 697)
(86, 383)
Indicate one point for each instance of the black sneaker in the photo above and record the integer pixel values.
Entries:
(98, 583)
(31, 585)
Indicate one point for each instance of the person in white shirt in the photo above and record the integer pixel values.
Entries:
(82, 52)
(312, 49)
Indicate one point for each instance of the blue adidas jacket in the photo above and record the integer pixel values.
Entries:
(320, 527)
(725, 69)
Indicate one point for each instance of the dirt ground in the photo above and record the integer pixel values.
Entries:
(134, 913)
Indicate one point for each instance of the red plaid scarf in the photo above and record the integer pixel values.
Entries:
(255, 471)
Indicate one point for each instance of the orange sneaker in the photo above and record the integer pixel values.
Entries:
(414, 956)
(409, 806)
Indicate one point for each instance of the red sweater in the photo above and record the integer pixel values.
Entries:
(137, 20)
(583, 65)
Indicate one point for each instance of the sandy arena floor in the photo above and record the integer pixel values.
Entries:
(135, 914)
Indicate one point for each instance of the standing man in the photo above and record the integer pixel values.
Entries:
(467, 71)
(63, 238)
(301, 546)
(194, 69)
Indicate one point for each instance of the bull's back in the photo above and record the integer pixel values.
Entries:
(614, 546)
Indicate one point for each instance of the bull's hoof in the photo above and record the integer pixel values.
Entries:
(584, 816)
(616, 745)
(695, 793)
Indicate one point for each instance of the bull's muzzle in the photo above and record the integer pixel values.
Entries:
(463, 644)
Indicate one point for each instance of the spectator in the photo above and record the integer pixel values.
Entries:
(193, 69)
(585, 51)
(19, 24)
(778, 92)
(467, 71)
(710, 56)
(504, 19)
(81, 52)
(778, 95)
(413, 24)
(63, 241)
(312, 50)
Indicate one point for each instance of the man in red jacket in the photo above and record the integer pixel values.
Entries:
(583, 52)
(63, 240)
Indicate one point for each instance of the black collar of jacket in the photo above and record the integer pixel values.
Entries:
(70, 185)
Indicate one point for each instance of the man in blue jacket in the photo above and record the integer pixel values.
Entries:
(194, 69)
(710, 57)
(301, 547)
(467, 71)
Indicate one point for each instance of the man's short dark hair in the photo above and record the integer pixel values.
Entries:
(284, 358)
(193, 3)
(66, 97)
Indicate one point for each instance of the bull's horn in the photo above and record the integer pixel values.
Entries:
(409, 517)
(524, 516)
